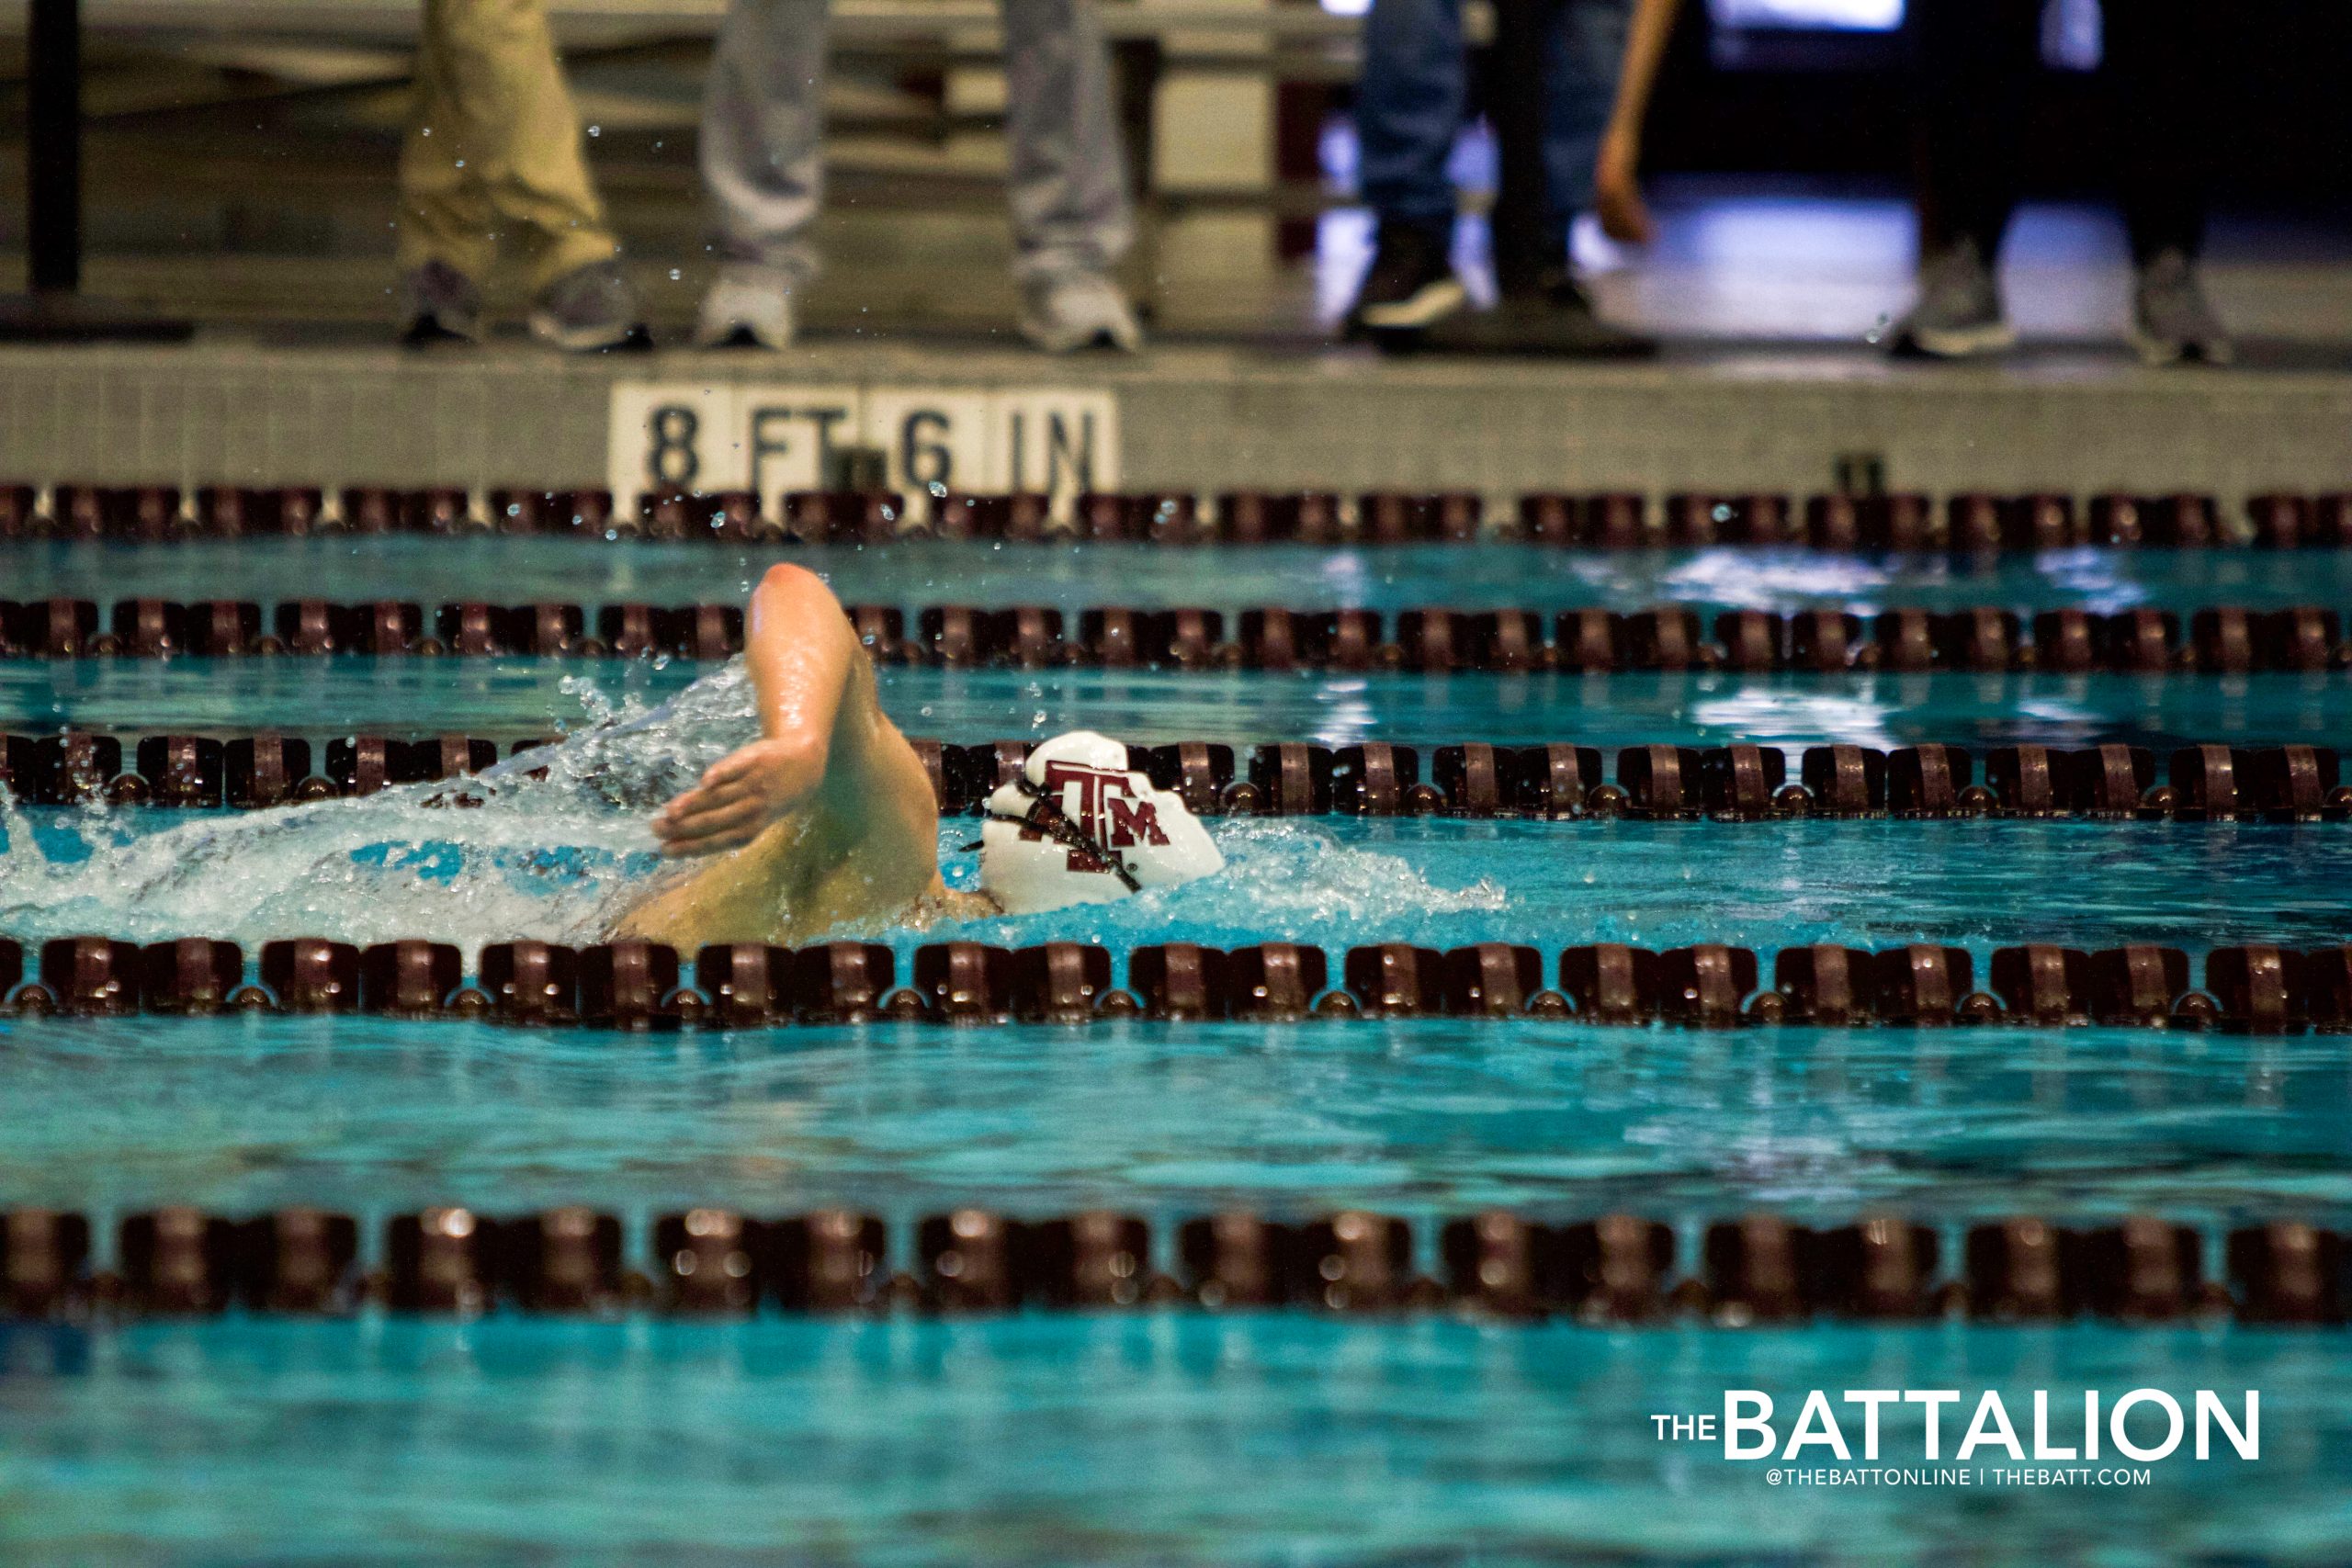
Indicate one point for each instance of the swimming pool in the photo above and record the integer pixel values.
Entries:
(1160, 1435)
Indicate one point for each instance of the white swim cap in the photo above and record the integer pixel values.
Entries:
(1086, 830)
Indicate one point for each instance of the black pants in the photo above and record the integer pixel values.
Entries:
(1977, 61)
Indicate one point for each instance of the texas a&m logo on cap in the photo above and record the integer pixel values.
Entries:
(1104, 805)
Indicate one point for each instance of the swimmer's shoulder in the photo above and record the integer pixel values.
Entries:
(950, 903)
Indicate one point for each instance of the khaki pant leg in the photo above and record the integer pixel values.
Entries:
(493, 157)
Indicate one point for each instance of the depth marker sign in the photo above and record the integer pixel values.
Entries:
(705, 438)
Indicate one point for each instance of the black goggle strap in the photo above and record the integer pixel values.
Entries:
(1045, 816)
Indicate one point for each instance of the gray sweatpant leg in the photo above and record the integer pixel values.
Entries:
(763, 133)
(1071, 211)
(763, 130)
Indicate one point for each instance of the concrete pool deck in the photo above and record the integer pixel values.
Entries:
(329, 407)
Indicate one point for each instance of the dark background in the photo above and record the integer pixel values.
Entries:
(1831, 102)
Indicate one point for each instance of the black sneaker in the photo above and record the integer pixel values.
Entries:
(1410, 285)
(1551, 317)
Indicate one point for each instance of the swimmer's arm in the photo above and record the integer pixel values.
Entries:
(825, 822)
(803, 655)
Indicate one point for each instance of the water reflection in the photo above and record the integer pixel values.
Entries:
(1425, 1118)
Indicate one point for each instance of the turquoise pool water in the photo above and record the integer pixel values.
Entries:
(973, 572)
(1429, 1119)
(1154, 1440)
(1076, 1440)
(379, 871)
(1157, 1438)
(515, 698)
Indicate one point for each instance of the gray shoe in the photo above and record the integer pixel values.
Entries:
(2172, 322)
(439, 304)
(1958, 312)
(747, 307)
(590, 308)
(1063, 312)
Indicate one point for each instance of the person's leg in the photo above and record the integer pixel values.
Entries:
(1409, 105)
(1545, 309)
(763, 133)
(496, 154)
(1540, 311)
(1072, 218)
(1976, 60)
(1588, 47)
(1410, 100)
(1549, 162)
(1069, 190)
(493, 160)
(443, 242)
(1525, 232)
(1976, 64)
(2162, 60)
(2162, 57)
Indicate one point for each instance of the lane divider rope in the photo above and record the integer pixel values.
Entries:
(1560, 779)
(1617, 1269)
(640, 985)
(2218, 640)
(1967, 521)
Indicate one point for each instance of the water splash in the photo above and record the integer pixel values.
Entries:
(558, 848)
(555, 847)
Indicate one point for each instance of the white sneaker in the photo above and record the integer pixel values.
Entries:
(747, 307)
(1063, 312)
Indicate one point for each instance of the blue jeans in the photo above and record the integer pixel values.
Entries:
(1410, 103)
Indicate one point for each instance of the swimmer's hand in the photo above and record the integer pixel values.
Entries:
(743, 793)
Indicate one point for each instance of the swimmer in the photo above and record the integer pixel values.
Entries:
(827, 822)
